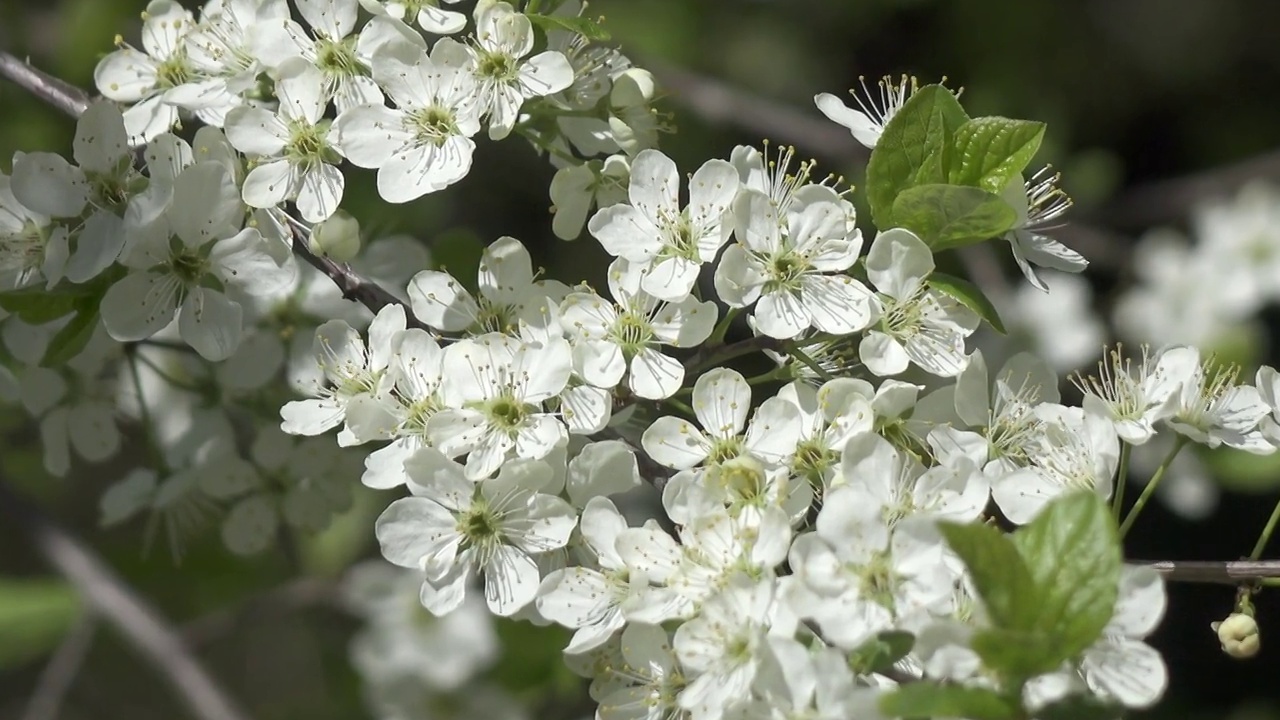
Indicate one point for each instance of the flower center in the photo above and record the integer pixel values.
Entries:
(173, 71)
(632, 332)
(433, 125)
(499, 67)
(338, 57)
(507, 413)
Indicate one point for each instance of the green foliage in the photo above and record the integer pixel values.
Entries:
(913, 149)
(991, 152)
(34, 615)
(35, 305)
(586, 27)
(1079, 707)
(926, 699)
(880, 652)
(1049, 588)
(948, 216)
(969, 295)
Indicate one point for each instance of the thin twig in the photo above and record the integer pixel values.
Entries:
(1164, 200)
(1230, 572)
(73, 101)
(137, 621)
(69, 99)
(56, 679)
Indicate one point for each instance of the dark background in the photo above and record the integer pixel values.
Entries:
(1152, 105)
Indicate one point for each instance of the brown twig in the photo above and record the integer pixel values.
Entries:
(1229, 572)
(138, 622)
(73, 101)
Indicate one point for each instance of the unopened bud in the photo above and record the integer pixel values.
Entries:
(632, 88)
(1238, 635)
(337, 238)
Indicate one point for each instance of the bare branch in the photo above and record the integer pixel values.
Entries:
(353, 286)
(56, 679)
(139, 623)
(1229, 572)
(1166, 200)
(49, 89)
(718, 102)
(73, 101)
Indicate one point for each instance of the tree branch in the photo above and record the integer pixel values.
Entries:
(73, 101)
(56, 679)
(139, 623)
(1229, 572)
(69, 99)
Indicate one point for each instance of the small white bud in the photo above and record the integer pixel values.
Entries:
(1238, 635)
(633, 88)
(337, 238)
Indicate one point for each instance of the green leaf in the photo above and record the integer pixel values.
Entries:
(969, 295)
(881, 652)
(34, 616)
(586, 27)
(1000, 574)
(1072, 550)
(1080, 707)
(992, 151)
(72, 338)
(947, 216)
(913, 149)
(923, 699)
(36, 305)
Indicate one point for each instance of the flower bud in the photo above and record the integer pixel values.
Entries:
(337, 238)
(632, 88)
(1238, 635)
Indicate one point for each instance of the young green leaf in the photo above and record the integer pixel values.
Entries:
(927, 700)
(586, 27)
(1000, 575)
(947, 216)
(913, 149)
(969, 295)
(1072, 550)
(36, 305)
(992, 151)
(34, 615)
(1080, 707)
(881, 652)
(71, 339)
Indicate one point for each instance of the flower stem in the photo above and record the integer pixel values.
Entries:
(809, 362)
(1261, 545)
(1122, 477)
(722, 329)
(1150, 489)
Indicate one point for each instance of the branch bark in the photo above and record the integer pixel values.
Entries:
(1229, 572)
(138, 622)
(73, 101)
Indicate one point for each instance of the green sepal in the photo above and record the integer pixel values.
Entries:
(969, 295)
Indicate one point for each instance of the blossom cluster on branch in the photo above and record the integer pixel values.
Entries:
(825, 540)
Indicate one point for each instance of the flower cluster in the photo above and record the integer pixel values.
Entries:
(809, 512)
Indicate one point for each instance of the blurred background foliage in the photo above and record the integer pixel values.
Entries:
(1134, 92)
